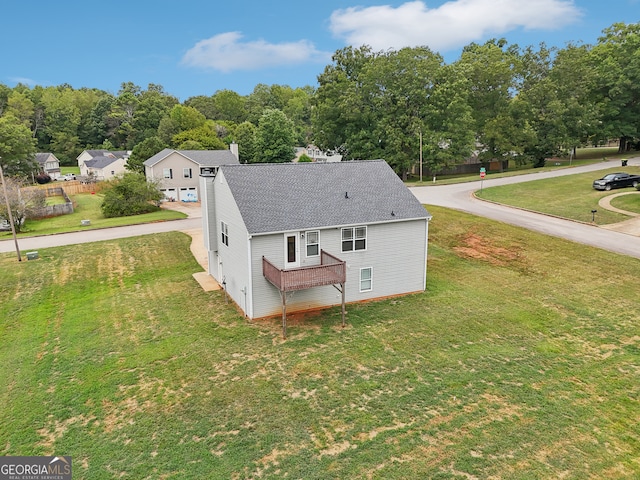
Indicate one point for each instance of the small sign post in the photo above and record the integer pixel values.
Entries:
(483, 172)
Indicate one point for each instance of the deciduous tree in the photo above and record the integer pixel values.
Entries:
(17, 147)
(275, 138)
(23, 202)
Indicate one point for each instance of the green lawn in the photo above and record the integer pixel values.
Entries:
(520, 361)
(571, 196)
(87, 207)
(630, 203)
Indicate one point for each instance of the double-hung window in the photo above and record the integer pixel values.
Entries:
(167, 173)
(224, 229)
(354, 238)
(186, 172)
(312, 240)
(366, 279)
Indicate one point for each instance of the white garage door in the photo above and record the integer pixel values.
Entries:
(188, 194)
(170, 194)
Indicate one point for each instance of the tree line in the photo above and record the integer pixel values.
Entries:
(497, 101)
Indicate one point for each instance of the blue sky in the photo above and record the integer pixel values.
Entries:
(196, 47)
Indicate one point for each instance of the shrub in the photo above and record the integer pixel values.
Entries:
(129, 195)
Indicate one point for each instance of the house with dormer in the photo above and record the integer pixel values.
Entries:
(103, 164)
(292, 237)
(178, 171)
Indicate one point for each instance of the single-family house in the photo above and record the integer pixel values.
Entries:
(332, 233)
(178, 171)
(49, 164)
(103, 164)
(317, 155)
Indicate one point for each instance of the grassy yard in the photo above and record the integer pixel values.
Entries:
(630, 203)
(570, 196)
(520, 361)
(87, 207)
(586, 156)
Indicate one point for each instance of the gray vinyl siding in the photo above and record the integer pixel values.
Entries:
(209, 217)
(395, 251)
(231, 262)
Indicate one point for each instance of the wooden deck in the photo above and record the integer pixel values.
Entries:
(331, 271)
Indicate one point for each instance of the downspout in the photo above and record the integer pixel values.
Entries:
(426, 249)
(248, 311)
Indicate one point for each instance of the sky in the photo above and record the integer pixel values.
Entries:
(197, 47)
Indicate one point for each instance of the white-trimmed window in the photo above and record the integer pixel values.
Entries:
(167, 173)
(366, 279)
(354, 238)
(224, 229)
(186, 173)
(312, 240)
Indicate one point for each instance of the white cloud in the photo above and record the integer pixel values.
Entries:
(451, 25)
(25, 81)
(226, 52)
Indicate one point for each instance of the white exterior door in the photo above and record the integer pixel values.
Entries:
(291, 250)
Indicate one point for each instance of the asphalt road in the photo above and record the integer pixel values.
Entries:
(28, 244)
(457, 196)
(460, 197)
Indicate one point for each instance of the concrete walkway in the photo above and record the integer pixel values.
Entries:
(194, 210)
(630, 226)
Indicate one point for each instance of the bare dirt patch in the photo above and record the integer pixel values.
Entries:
(479, 248)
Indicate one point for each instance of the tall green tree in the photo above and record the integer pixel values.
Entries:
(376, 105)
(17, 147)
(275, 138)
(61, 121)
(491, 72)
(21, 107)
(153, 105)
(616, 61)
(245, 137)
(142, 152)
(180, 119)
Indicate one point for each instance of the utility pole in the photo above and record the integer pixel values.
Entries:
(421, 155)
(6, 197)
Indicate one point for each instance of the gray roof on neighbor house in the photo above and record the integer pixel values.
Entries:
(100, 162)
(204, 158)
(42, 158)
(282, 197)
(107, 153)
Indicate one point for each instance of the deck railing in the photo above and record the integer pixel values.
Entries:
(331, 271)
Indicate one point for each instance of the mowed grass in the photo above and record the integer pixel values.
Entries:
(87, 207)
(629, 203)
(520, 361)
(571, 196)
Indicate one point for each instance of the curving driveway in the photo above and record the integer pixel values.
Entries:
(621, 238)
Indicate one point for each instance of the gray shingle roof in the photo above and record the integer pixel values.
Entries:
(100, 162)
(291, 196)
(42, 157)
(204, 158)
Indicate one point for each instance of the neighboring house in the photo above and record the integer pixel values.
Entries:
(274, 229)
(317, 155)
(49, 164)
(103, 164)
(178, 171)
